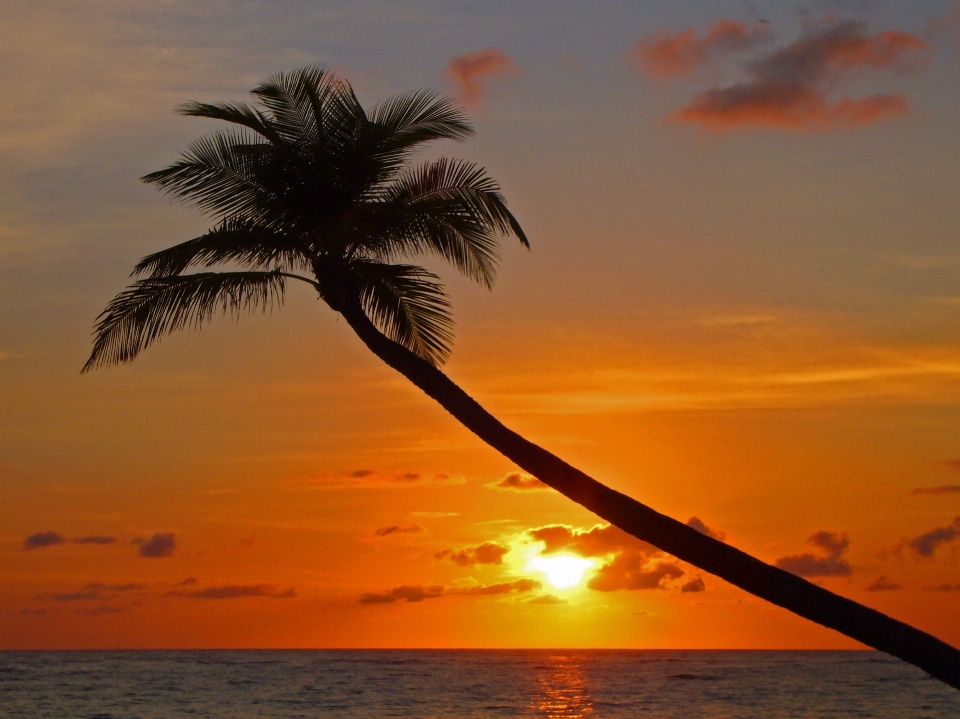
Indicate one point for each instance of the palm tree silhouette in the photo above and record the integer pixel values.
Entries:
(307, 186)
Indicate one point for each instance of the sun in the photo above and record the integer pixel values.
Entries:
(561, 570)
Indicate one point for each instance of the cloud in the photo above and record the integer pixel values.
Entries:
(630, 564)
(484, 590)
(946, 588)
(695, 523)
(486, 553)
(518, 482)
(470, 72)
(631, 571)
(238, 591)
(186, 582)
(787, 88)
(408, 593)
(832, 546)
(883, 585)
(694, 585)
(398, 529)
(548, 599)
(94, 539)
(926, 544)
(598, 541)
(99, 611)
(663, 54)
(413, 593)
(159, 545)
(42, 539)
(952, 464)
(84, 595)
(942, 489)
(372, 478)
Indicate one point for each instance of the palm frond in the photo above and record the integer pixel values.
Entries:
(218, 174)
(409, 306)
(237, 113)
(232, 241)
(153, 307)
(450, 208)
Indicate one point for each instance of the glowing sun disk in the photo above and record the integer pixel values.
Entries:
(561, 570)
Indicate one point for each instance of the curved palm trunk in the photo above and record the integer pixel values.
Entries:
(763, 580)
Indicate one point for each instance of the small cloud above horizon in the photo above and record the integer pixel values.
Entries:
(832, 545)
(470, 73)
(41, 540)
(398, 529)
(518, 482)
(157, 547)
(926, 544)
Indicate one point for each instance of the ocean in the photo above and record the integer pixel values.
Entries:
(467, 683)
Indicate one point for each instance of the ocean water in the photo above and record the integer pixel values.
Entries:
(526, 683)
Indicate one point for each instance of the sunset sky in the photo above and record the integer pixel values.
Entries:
(741, 307)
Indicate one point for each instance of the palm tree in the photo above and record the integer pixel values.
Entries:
(309, 187)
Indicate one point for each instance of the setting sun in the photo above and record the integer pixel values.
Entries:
(562, 570)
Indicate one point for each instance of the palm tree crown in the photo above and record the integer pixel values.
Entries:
(309, 186)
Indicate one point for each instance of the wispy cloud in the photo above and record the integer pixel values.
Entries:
(665, 53)
(398, 529)
(369, 478)
(788, 88)
(238, 591)
(470, 72)
(94, 539)
(413, 593)
(942, 489)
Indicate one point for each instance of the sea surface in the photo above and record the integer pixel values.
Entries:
(467, 683)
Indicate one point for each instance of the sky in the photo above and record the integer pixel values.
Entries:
(741, 307)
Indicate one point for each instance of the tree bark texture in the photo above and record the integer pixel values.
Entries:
(750, 574)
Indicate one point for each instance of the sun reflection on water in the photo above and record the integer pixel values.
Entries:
(562, 689)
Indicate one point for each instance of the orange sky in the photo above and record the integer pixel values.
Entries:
(752, 322)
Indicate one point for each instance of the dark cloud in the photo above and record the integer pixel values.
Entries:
(159, 545)
(398, 529)
(486, 553)
(946, 588)
(361, 473)
(238, 591)
(42, 539)
(94, 539)
(926, 543)
(548, 599)
(942, 489)
(952, 464)
(882, 584)
(406, 593)
(695, 523)
(518, 482)
(831, 545)
(788, 87)
(694, 585)
(470, 72)
(186, 582)
(664, 53)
